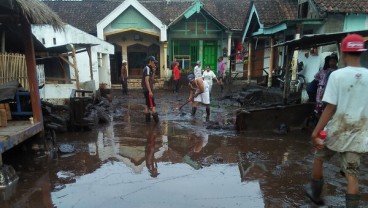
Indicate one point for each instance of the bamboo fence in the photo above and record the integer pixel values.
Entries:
(13, 67)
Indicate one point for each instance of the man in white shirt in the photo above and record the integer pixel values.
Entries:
(208, 76)
(198, 70)
(345, 118)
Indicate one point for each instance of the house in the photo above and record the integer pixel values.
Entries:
(272, 22)
(267, 23)
(338, 16)
(188, 30)
(18, 58)
(65, 70)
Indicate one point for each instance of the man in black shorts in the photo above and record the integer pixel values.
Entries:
(147, 86)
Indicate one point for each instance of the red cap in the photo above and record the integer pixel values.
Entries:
(353, 43)
(322, 134)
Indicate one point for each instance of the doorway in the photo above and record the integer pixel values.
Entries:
(210, 55)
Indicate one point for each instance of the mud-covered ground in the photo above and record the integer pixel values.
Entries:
(181, 162)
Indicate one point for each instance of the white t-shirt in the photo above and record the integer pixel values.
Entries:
(348, 128)
(197, 71)
(208, 76)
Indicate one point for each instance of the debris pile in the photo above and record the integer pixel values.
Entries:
(80, 115)
(257, 97)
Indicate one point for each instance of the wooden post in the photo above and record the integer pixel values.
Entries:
(272, 52)
(3, 41)
(89, 51)
(287, 75)
(31, 70)
(75, 66)
(250, 60)
(165, 65)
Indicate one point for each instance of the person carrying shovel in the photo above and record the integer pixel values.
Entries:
(199, 93)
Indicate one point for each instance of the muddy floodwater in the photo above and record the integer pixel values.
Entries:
(181, 162)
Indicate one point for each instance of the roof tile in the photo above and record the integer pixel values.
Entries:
(275, 11)
(342, 6)
(86, 14)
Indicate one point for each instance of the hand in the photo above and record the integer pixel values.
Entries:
(315, 141)
(190, 99)
(151, 94)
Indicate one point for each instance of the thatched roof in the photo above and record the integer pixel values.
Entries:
(34, 11)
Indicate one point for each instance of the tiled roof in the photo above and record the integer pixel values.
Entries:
(272, 12)
(164, 11)
(342, 6)
(231, 13)
(83, 15)
(87, 13)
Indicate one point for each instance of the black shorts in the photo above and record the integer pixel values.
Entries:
(150, 101)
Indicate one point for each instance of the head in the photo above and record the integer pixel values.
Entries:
(208, 68)
(191, 78)
(124, 62)
(333, 60)
(220, 59)
(327, 62)
(151, 61)
(199, 63)
(352, 47)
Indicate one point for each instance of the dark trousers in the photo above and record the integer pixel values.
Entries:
(176, 85)
(124, 86)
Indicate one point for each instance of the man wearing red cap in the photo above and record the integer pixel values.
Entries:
(345, 118)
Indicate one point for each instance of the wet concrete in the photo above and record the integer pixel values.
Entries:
(182, 162)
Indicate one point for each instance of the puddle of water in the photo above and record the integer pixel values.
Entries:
(178, 163)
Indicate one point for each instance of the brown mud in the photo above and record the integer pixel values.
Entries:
(180, 162)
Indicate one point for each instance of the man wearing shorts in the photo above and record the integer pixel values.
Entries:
(345, 118)
(147, 86)
(199, 93)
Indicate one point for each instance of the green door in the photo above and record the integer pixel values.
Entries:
(210, 55)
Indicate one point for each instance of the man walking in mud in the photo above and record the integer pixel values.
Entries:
(124, 77)
(345, 118)
(147, 86)
(221, 71)
(199, 93)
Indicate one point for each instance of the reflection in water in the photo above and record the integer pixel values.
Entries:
(151, 162)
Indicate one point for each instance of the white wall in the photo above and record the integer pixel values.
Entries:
(57, 91)
(104, 71)
(312, 64)
(46, 35)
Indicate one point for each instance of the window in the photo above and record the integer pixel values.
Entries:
(303, 10)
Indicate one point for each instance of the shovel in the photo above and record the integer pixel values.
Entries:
(183, 105)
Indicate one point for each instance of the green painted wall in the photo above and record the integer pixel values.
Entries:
(196, 37)
(131, 18)
(355, 22)
(197, 26)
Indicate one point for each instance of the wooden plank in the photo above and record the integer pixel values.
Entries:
(17, 132)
